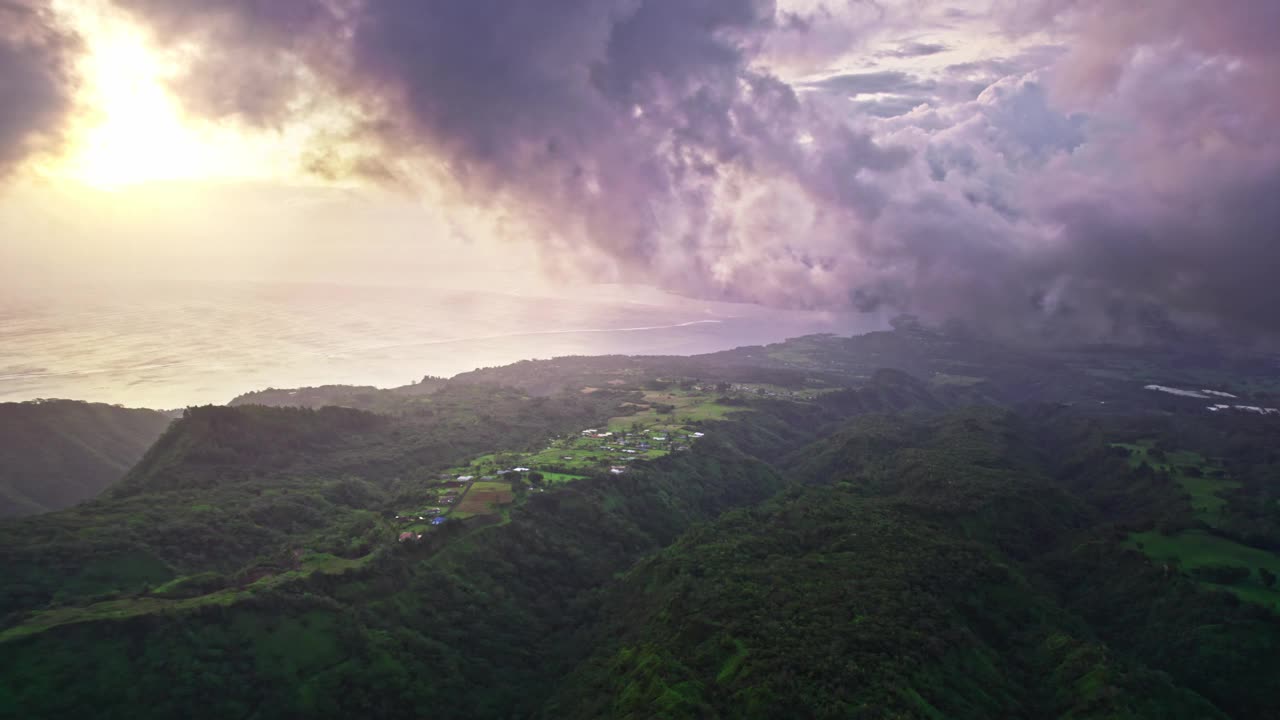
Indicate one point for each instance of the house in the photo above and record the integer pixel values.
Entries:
(406, 536)
(466, 478)
(520, 469)
(617, 469)
(697, 435)
(439, 521)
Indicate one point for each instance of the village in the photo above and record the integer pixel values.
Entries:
(489, 483)
(667, 421)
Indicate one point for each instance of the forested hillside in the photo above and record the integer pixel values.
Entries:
(772, 541)
(56, 453)
(938, 569)
(353, 396)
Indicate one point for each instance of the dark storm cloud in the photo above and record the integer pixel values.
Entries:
(1138, 170)
(36, 84)
(1181, 210)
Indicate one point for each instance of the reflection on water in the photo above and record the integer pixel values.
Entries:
(206, 345)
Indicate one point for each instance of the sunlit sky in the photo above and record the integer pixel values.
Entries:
(143, 191)
(130, 129)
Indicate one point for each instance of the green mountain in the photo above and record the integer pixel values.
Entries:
(56, 453)
(360, 397)
(945, 529)
(928, 573)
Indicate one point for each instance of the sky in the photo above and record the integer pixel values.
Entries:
(1063, 168)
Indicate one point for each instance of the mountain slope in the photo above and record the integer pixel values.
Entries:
(910, 586)
(56, 453)
(360, 397)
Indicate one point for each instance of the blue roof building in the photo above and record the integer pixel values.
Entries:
(438, 520)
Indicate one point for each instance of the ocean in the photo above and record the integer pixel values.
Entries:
(194, 344)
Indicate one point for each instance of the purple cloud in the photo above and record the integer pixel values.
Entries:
(36, 83)
(1124, 170)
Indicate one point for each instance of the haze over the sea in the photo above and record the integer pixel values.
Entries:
(196, 344)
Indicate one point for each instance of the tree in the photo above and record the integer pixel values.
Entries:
(1220, 574)
(1268, 577)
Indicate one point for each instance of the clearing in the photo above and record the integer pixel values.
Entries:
(683, 406)
(1197, 549)
(1197, 476)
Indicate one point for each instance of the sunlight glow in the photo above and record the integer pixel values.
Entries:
(130, 130)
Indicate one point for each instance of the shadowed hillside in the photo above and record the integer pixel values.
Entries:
(56, 453)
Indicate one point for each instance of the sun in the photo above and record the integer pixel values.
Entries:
(130, 129)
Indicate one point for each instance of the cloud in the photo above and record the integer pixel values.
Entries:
(892, 106)
(1121, 171)
(1170, 198)
(871, 83)
(916, 49)
(630, 136)
(36, 81)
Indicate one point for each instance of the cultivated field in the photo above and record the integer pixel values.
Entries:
(484, 498)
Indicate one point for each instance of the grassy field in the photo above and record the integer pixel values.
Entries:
(1193, 549)
(554, 478)
(1204, 490)
(576, 452)
(309, 564)
(797, 352)
(689, 407)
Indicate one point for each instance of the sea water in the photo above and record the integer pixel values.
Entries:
(195, 344)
